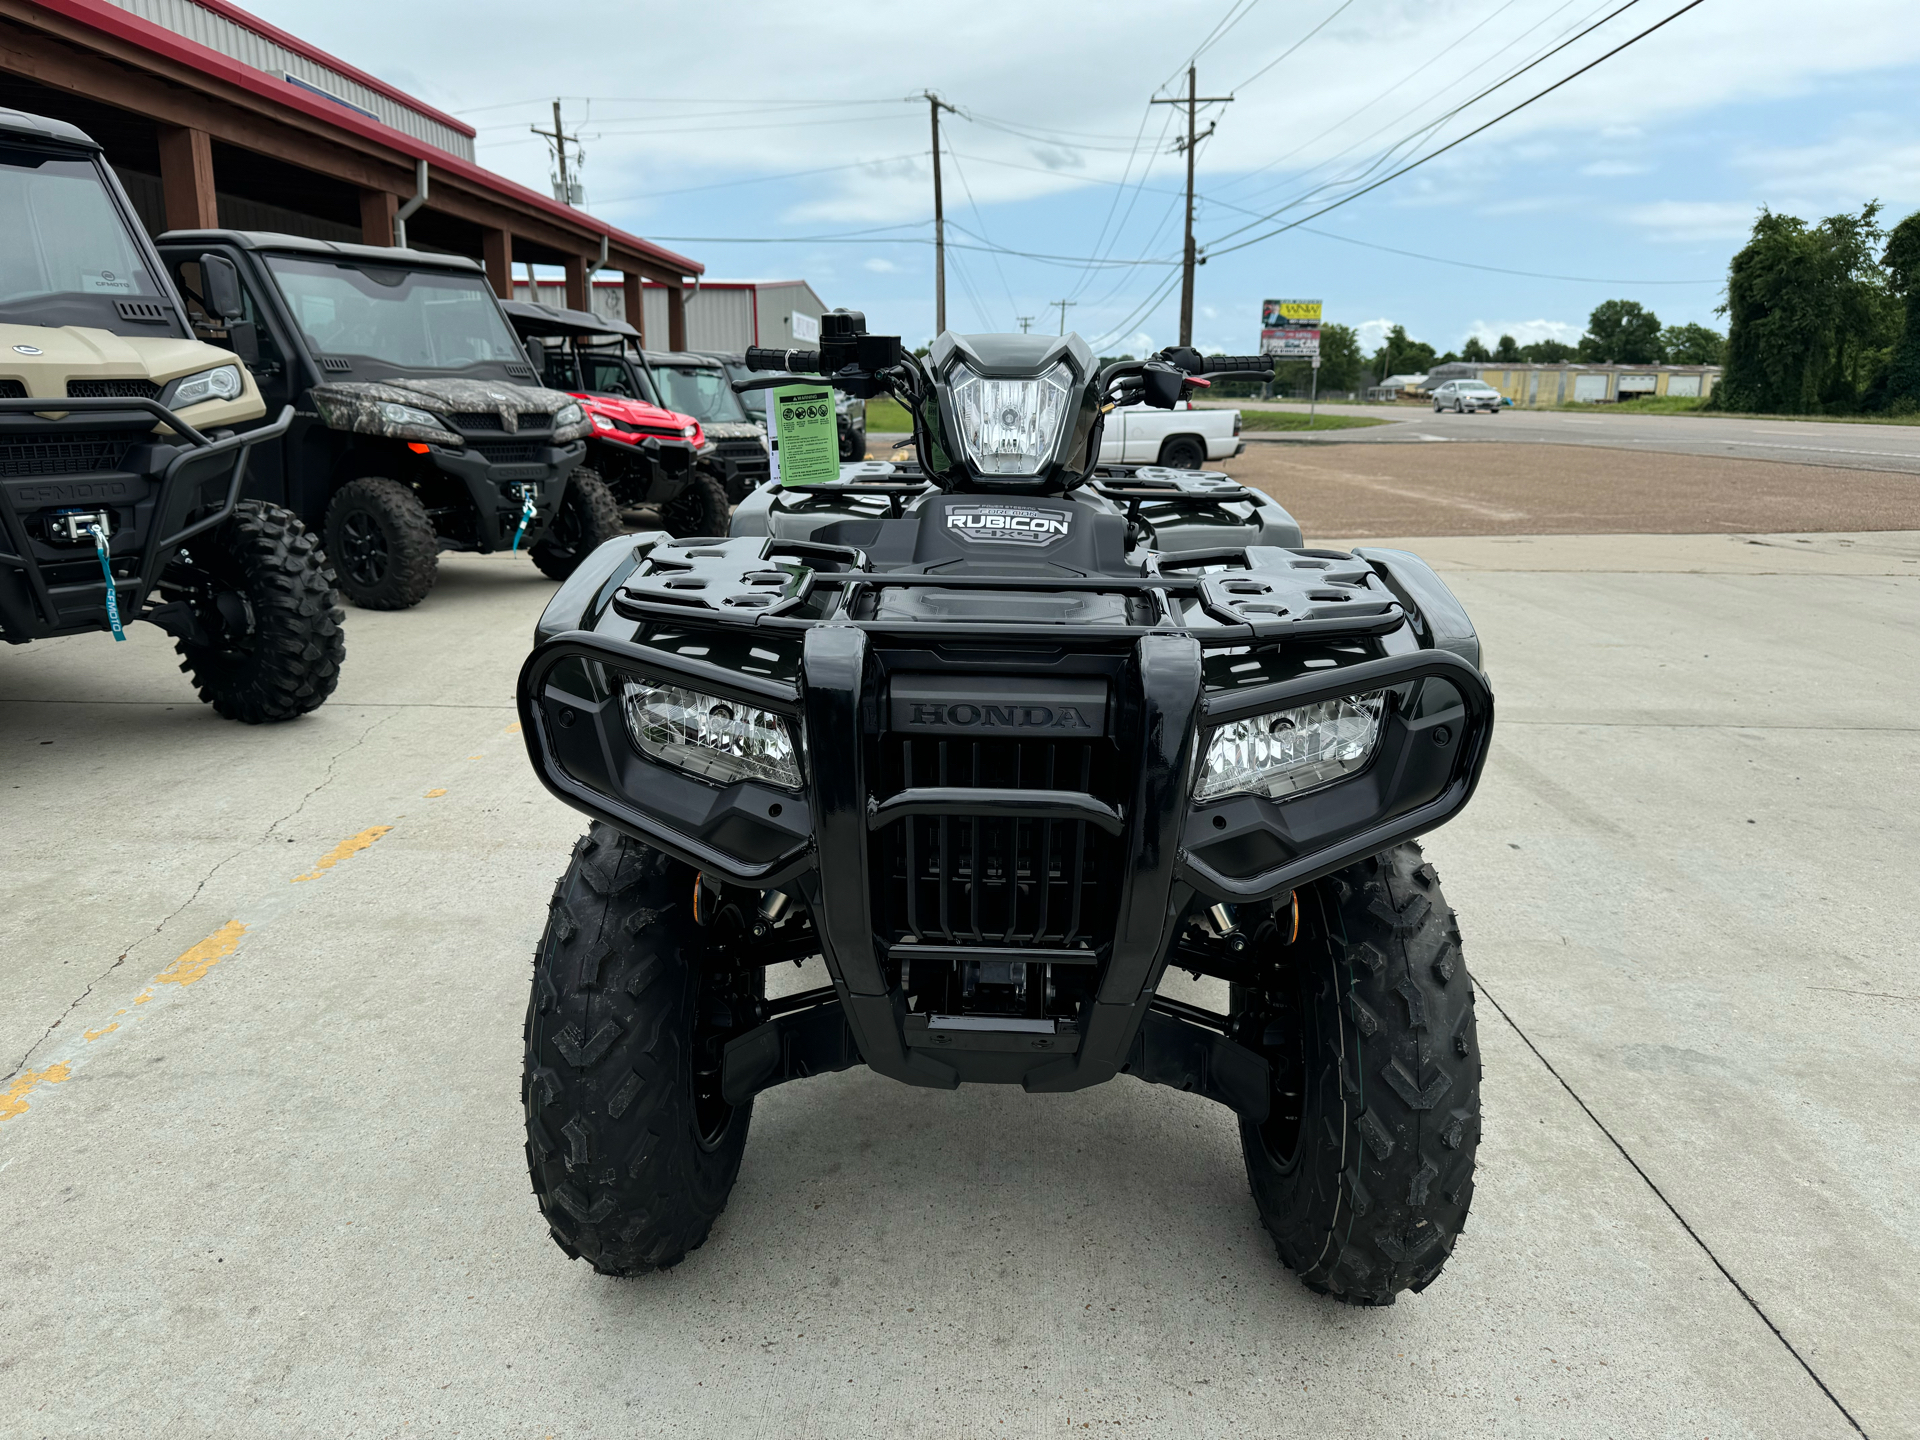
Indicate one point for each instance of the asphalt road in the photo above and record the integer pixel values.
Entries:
(1815, 443)
(260, 1141)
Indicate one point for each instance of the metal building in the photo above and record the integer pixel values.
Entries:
(720, 315)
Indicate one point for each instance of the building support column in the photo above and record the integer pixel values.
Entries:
(577, 283)
(630, 294)
(677, 315)
(497, 254)
(377, 211)
(186, 178)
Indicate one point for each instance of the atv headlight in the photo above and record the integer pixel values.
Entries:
(720, 740)
(1009, 427)
(407, 415)
(220, 383)
(570, 414)
(1283, 753)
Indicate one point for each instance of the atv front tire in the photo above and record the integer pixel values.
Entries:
(699, 510)
(264, 602)
(587, 516)
(1364, 1169)
(632, 1149)
(382, 544)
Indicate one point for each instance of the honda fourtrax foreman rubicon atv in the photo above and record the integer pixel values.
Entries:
(120, 471)
(646, 455)
(417, 424)
(1004, 738)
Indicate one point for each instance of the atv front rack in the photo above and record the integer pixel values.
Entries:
(188, 472)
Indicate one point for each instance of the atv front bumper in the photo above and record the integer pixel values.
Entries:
(101, 460)
(1169, 853)
(501, 489)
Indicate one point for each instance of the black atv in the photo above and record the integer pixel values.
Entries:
(646, 455)
(120, 473)
(417, 424)
(1004, 737)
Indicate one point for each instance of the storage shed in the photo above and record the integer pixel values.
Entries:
(721, 315)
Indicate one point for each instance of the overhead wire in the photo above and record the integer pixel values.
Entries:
(1295, 46)
(1012, 307)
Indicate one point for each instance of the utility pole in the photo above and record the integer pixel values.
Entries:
(1187, 251)
(1025, 321)
(558, 138)
(1063, 304)
(934, 107)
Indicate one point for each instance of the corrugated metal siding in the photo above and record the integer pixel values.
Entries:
(237, 42)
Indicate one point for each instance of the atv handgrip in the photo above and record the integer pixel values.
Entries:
(795, 360)
(1235, 364)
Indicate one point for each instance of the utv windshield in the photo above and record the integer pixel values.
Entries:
(702, 391)
(69, 252)
(410, 319)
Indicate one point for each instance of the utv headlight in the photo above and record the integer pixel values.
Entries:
(220, 383)
(570, 414)
(1283, 753)
(1010, 427)
(720, 740)
(407, 415)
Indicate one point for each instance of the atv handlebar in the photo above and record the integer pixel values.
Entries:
(1235, 364)
(807, 361)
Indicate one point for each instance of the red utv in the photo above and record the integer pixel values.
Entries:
(648, 455)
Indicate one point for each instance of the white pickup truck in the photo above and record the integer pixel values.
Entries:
(1183, 438)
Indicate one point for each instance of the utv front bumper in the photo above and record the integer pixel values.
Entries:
(102, 462)
(889, 866)
(504, 475)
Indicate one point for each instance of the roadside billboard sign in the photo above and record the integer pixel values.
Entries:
(1292, 342)
(1290, 314)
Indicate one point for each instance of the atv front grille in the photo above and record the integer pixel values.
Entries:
(113, 389)
(62, 452)
(13, 390)
(490, 420)
(993, 881)
(507, 452)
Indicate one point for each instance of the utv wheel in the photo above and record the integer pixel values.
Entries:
(1364, 1169)
(1183, 452)
(586, 517)
(264, 596)
(700, 508)
(382, 544)
(632, 1149)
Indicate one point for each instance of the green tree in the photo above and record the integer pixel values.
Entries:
(1547, 352)
(1507, 349)
(1894, 388)
(1399, 355)
(1811, 314)
(1622, 332)
(1340, 364)
(1474, 350)
(1691, 344)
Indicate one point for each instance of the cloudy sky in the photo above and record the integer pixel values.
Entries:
(791, 140)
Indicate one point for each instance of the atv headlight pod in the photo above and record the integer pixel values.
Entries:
(1011, 427)
(1284, 753)
(407, 415)
(719, 740)
(221, 383)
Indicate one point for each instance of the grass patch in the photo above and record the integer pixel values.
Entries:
(1690, 405)
(1294, 420)
(887, 415)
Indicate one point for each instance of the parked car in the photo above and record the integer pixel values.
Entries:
(1462, 396)
(850, 413)
(699, 385)
(1182, 438)
(121, 498)
(418, 426)
(647, 455)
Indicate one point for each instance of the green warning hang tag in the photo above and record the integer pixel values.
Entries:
(806, 435)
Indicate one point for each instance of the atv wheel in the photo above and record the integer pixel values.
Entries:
(632, 1149)
(1183, 452)
(263, 597)
(1364, 1169)
(587, 516)
(382, 544)
(700, 508)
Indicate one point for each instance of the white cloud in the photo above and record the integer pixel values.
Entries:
(1694, 220)
(1607, 168)
(1524, 331)
(880, 266)
(1372, 333)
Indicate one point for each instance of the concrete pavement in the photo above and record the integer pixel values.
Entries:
(260, 1157)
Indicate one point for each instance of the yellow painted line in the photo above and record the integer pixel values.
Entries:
(438, 791)
(473, 758)
(512, 730)
(192, 964)
(96, 1035)
(13, 1100)
(352, 846)
(143, 998)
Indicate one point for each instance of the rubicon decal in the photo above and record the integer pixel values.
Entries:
(1008, 524)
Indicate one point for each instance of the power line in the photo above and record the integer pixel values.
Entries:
(1434, 154)
(1496, 269)
(1063, 304)
(1292, 48)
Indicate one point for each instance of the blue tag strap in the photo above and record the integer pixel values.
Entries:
(113, 591)
(527, 513)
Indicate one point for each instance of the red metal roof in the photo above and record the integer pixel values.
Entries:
(111, 20)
